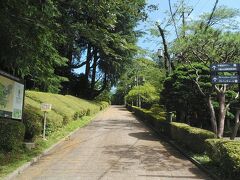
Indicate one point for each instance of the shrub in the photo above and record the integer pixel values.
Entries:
(35, 118)
(226, 154)
(32, 121)
(11, 133)
(57, 101)
(193, 138)
(64, 110)
(157, 109)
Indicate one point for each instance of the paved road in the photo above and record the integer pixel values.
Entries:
(114, 146)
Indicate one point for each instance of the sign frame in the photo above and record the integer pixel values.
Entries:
(235, 79)
(20, 81)
(46, 107)
(227, 67)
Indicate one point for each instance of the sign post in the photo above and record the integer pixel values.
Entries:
(45, 107)
(228, 67)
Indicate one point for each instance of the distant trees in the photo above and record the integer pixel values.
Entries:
(205, 41)
(141, 84)
(46, 42)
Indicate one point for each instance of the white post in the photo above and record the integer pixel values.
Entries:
(44, 125)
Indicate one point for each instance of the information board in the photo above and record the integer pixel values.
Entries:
(11, 96)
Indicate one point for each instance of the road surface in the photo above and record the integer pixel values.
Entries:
(115, 146)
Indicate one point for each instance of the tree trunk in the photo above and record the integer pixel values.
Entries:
(167, 61)
(94, 69)
(88, 61)
(222, 114)
(237, 123)
(213, 115)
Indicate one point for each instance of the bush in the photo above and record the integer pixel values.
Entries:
(64, 110)
(11, 133)
(193, 138)
(32, 121)
(226, 154)
(33, 118)
(157, 109)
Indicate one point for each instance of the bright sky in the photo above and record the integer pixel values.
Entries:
(199, 7)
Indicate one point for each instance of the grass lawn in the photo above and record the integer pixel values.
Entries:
(11, 161)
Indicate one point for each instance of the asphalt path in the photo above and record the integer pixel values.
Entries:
(115, 146)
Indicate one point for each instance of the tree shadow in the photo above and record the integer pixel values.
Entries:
(148, 136)
(152, 158)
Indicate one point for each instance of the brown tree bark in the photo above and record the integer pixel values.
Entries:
(88, 61)
(213, 115)
(222, 114)
(94, 69)
(165, 52)
(237, 124)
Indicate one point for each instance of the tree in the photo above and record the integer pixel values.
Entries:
(141, 71)
(45, 42)
(101, 40)
(146, 93)
(206, 44)
(28, 33)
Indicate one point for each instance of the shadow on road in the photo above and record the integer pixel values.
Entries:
(144, 136)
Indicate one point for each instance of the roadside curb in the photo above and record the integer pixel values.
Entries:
(20, 169)
(183, 152)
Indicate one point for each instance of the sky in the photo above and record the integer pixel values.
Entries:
(199, 7)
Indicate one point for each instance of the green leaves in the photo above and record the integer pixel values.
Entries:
(146, 92)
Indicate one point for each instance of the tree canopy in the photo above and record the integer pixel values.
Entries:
(46, 42)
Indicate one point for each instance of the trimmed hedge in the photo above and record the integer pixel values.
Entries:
(191, 137)
(225, 154)
(64, 109)
(11, 134)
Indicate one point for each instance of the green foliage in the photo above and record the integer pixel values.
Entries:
(146, 92)
(181, 94)
(191, 137)
(32, 120)
(44, 42)
(10, 161)
(64, 109)
(157, 109)
(226, 154)
(150, 79)
(12, 134)
(104, 96)
(29, 33)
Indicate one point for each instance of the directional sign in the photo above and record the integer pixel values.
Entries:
(230, 67)
(225, 79)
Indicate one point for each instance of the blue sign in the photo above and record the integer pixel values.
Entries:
(225, 79)
(229, 67)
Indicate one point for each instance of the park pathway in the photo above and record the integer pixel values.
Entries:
(115, 146)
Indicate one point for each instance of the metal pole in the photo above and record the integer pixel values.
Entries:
(44, 125)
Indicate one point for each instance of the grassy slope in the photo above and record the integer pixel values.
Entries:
(68, 114)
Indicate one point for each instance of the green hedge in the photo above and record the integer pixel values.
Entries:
(64, 109)
(191, 137)
(11, 134)
(225, 154)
